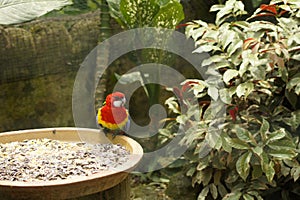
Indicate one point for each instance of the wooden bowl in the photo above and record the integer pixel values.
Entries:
(75, 187)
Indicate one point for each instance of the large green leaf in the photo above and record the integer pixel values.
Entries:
(248, 197)
(283, 144)
(147, 13)
(244, 89)
(256, 171)
(213, 190)
(235, 195)
(294, 82)
(222, 190)
(295, 173)
(169, 16)
(114, 9)
(138, 13)
(225, 96)
(244, 134)
(282, 154)
(276, 135)
(267, 166)
(18, 11)
(203, 193)
(230, 74)
(237, 143)
(264, 129)
(213, 92)
(243, 166)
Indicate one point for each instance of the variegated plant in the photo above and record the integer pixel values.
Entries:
(132, 14)
(18, 11)
(254, 149)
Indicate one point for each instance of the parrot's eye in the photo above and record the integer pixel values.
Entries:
(117, 98)
(118, 101)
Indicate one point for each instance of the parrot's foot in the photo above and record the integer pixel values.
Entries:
(117, 132)
(114, 133)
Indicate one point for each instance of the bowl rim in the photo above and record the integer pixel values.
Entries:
(134, 158)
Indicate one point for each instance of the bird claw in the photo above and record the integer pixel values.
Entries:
(114, 133)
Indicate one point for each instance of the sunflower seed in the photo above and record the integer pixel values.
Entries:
(46, 160)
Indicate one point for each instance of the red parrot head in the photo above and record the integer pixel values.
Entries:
(116, 99)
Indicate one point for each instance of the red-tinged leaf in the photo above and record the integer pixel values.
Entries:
(269, 8)
(248, 39)
(233, 112)
(181, 25)
(177, 92)
(282, 12)
(188, 85)
(249, 43)
(264, 15)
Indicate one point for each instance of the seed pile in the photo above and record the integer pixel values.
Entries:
(46, 160)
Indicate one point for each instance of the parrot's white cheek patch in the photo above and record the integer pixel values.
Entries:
(117, 103)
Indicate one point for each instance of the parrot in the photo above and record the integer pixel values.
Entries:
(113, 117)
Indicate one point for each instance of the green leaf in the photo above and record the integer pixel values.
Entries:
(276, 135)
(18, 11)
(213, 93)
(295, 173)
(259, 72)
(241, 24)
(206, 48)
(213, 190)
(243, 134)
(234, 46)
(232, 177)
(227, 38)
(244, 89)
(223, 11)
(230, 74)
(260, 26)
(248, 197)
(270, 171)
(191, 171)
(256, 194)
(172, 105)
(138, 13)
(267, 167)
(114, 9)
(291, 97)
(210, 34)
(282, 154)
(195, 32)
(256, 171)
(199, 88)
(213, 59)
(203, 193)
(222, 190)
(243, 166)
(293, 83)
(225, 96)
(216, 7)
(206, 176)
(233, 196)
(264, 129)
(283, 144)
(257, 150)
(243, 67)
(237, 143)
(225, 144)
(169, 15)
(294, 120)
